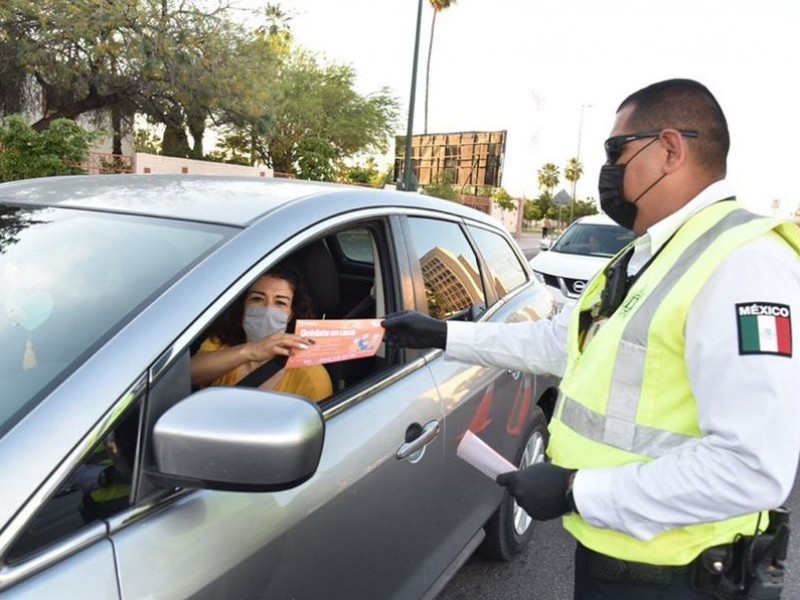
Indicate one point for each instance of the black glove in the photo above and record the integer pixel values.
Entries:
(410, 329)
(540, 489)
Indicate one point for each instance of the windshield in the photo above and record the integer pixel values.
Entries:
(68, 280)
(593, 240)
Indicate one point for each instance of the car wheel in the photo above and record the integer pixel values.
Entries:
(510, 528)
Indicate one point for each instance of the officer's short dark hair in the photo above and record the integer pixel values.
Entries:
(684, 104)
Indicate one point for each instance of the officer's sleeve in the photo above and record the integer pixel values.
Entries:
(744, 372)
(532, 346)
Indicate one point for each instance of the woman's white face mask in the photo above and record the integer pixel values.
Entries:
(263, 321)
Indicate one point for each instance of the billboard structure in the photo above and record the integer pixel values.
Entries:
(469, 159)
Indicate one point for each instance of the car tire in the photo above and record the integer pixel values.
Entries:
(510, 529)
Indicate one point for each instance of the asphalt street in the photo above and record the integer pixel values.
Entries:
(545, 570)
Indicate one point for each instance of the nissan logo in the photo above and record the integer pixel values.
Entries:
(578, 286)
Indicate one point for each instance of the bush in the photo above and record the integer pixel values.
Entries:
(27, 153)
(443, 188)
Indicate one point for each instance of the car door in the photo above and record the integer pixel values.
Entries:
(359, 528)
(494, 404)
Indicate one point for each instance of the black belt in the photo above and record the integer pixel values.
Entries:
(607, 568)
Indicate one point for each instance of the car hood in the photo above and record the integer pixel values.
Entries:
(572, 266)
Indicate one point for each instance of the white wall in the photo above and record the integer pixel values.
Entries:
(153, 164)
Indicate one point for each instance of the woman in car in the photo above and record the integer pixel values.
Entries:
(253, 332)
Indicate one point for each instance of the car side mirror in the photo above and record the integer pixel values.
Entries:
(238, 439)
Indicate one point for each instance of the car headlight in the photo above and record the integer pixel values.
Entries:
(539, 276)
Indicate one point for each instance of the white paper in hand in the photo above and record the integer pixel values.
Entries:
(481, 456)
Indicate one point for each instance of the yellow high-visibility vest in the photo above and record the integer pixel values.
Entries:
(626, 398)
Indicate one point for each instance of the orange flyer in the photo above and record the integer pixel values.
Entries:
(336, 340)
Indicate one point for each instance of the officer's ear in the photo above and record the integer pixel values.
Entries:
(676, 150)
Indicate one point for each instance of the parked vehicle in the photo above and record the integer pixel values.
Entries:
(121, 481)
(578, 254)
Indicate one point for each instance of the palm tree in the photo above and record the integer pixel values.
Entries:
(277, 21)
(548, 177)
(572, 173)
(438, 6)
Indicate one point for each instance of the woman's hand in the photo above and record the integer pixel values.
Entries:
(279, 344)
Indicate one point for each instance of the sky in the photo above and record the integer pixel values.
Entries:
(552, 73)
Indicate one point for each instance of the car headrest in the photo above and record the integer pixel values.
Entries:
(318, 270)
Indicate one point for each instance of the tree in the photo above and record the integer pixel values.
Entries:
(438, 6)
(548, 177)
(504, 200)
(317, 119)
(584, 208)
(27, 153)
(572, 173)
(364, 173)
(144, 140)
(531, 211)
(174, 60)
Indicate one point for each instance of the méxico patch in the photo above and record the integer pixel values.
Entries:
(764, 328)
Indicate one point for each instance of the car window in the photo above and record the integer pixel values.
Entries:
(334, 284)
(593, 239)
(449, 267)
(69, 279)
(356, 245)
(99, 488)
(504, 266)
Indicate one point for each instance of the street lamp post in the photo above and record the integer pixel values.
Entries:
(407, 184)
(578, 160)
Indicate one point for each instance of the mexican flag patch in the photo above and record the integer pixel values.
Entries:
(764, 328)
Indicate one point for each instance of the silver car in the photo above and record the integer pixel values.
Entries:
(119, 480)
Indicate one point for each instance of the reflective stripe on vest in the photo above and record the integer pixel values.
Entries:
(618, 426)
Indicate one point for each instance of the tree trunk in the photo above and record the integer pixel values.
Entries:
(116, 129)
(428, 67)
(197, 127)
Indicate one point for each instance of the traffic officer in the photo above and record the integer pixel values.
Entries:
(678, 421)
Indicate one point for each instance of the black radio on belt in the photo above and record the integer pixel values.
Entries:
(751, 568)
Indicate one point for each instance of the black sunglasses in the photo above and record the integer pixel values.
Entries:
(614, 145)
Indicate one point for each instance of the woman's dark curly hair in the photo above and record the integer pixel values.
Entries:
(227, 328)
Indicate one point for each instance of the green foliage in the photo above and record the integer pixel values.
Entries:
(504, 200)
(383, 178)
(316, 160)
(364, 174)
(144, 140)
(531, 211)
(317, 119)
(188, 63)
(443, 188)
(583, 208)
(573, 171)
(58, 150)
(548, 177)
(181, 62)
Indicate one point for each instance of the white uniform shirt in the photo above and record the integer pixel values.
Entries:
(748, 405)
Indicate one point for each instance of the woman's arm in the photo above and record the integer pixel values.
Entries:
(209, 363)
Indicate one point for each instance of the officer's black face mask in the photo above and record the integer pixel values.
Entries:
(612, 196)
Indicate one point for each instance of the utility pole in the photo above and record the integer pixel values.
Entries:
(407, 185)
(578, 159)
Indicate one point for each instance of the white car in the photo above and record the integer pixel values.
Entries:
(578, 254)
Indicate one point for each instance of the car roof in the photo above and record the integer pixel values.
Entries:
(236, 201)
(598, 219)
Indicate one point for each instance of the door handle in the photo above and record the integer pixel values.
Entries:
(428, 433)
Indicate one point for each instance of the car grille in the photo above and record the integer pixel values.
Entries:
(571, 288)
